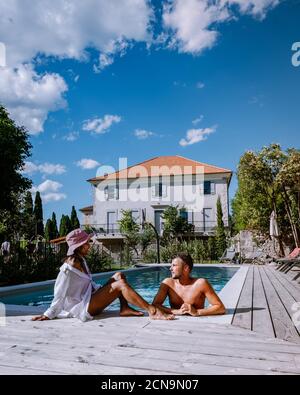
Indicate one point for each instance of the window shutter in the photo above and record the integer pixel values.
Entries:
(153, 190)
(201, 188)
(117, 193)
(164, 191)
(213, 188)
(106, 193)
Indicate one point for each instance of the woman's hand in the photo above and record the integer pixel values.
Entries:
(40, 318)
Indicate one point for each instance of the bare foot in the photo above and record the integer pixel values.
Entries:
(161, 315)
(129, 312)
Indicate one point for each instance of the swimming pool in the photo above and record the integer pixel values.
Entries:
(145, 281)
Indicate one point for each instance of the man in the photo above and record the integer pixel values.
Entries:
(187, 294)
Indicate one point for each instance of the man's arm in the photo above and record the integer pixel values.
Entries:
(161, 297)
(216, 306)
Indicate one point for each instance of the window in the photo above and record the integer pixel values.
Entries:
(184, 214)
(209, 188)
(135, 214)
(159, 190)
(111, 192)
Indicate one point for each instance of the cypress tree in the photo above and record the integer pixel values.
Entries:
(65, 226)
(74, 219)
(221, 243)
(62, 226)
(68, 224)
(28, 216)
(49, 230)
(54, 226)
(38, 215)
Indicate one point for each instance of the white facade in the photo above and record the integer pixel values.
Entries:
(146, 195)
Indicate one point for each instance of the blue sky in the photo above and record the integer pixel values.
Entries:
(221, 70)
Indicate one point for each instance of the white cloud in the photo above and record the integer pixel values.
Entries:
(65, 30)
(258, 8)
(47, 186)
(194, 136)
(200, 85)
(143, 134)
(198, 120)
(87, 164)
(72, 136)
(49, 191)
(45, 168)
(192, 24)
(101, 125)
(53, 197)
(106, 59)
(29, 97)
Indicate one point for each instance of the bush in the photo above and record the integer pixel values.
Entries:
(200, 250)
(150, 256)
(97, 261)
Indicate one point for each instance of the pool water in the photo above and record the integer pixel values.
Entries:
(146, 282)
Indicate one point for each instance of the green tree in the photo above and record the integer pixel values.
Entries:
(62, 226)
(68, 224)
(38, 215)
(15, 149)
(175, 224)
(49, 233)
(28, 216)
(266, 183)
(74, 219)
(130, 229)
(54, 226)
(65, 225)
(221, 243)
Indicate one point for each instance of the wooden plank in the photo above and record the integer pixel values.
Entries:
(197, 341)
(156, 360)
(91, 337)
(13, 343)
(283, 325)
(243, 313)
(292, 287)
(261, 315)
(15, 370)
(286, 298)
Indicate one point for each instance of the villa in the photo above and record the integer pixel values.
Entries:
(148, 188)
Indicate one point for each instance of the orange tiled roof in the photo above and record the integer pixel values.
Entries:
(84, 209)
(174, 165)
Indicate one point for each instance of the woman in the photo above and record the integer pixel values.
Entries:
(76, 294)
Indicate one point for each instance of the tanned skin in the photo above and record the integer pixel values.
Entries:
(116, 287)
(187, 294)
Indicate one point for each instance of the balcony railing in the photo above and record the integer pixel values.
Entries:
(199, 227)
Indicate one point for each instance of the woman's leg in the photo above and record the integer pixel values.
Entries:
(110, 292)
(125, 309)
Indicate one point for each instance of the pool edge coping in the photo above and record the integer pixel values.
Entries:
(229, 294)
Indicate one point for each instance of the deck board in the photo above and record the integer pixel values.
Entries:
(243, 315)
(274, 295)
(279, 314)
(261, 317)
(261, 340)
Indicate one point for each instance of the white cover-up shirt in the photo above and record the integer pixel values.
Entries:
(72, 293)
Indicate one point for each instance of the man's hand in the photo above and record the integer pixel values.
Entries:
(40, 318)
(189, 309)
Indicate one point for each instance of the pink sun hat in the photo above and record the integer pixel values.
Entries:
(75, 239)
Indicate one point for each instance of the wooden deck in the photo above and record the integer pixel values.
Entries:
(188, 345)
(266, 303)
